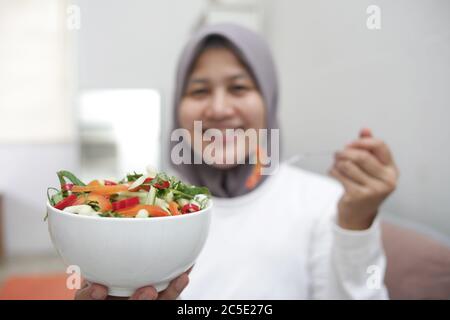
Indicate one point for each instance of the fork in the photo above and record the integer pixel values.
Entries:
(300, 156)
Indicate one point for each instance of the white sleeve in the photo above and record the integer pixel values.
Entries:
(346, 264)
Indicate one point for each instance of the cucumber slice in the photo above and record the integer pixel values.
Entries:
(151, 196)
(182, 202)
(162, 204)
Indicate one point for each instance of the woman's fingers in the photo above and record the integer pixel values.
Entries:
(365, 132)
(346, 182)
(175, 287)
(172, 292)
(376, 146)
(94, 291)
(365, 160)
(91, 291)
(84, 284)
(353, 172)
(189, 270)
(145, 293)
(369, 174)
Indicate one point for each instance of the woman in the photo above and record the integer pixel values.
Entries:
(290, 235)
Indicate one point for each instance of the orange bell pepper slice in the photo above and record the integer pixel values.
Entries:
(153, 211)
(103, 203)
(103, 190)
(94, 183)
(173, 207)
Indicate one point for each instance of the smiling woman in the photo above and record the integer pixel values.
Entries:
(223, 94)
(225, 147)
(293, 234)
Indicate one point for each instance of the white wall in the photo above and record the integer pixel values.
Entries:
(27, 170)
(338, 76)
(36, 123)
(121, 44)
(134, 44)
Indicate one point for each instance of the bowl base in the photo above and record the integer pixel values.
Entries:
(128, 292)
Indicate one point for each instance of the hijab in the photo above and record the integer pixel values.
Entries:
(254, 52)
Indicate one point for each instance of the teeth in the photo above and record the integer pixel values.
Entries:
(223, 130)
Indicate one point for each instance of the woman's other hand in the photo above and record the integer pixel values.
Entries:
(369, 175)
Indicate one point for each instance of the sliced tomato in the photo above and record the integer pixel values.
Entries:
(162, 185)
(66, 202)
(188, 208)
(125, 203)
(144, 186)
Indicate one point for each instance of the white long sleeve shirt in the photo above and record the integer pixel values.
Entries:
(281, 241)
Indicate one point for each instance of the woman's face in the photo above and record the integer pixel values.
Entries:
(221, 93)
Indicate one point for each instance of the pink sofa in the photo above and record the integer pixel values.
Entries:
(418, 267)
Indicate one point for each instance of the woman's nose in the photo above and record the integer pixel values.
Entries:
(220, 105)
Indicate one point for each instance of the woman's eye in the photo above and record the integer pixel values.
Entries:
(238, 89)
(198, 92)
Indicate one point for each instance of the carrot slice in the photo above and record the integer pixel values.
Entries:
(103, 203)
(104, 190)
(94, 183)
(173, 207)
(153, 211)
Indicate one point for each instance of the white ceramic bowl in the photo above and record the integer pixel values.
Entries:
(125, 254)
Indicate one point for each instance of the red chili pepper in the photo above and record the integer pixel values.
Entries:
(66, 202)
(188, 208)
(125, 203)
(110, 183)
(162, 185)
(67, 186)
(145, 185)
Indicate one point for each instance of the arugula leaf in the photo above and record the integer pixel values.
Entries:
(114, 197)
(69, 175)
(192, 190)
(94, 205)
(133, 176)
(111, 214)
(189, 192)
(160, 178)
(50, 198)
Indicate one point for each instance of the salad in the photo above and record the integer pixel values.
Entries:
(137, 195)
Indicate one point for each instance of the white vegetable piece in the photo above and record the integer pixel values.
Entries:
(182, 202)
(201, 200)
(151, 171)
(200, 197)
(195, 203)
(82, 210)
(138, 182)
(142, 214)
(162, 204)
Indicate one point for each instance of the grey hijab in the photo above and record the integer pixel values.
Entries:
(255, 54)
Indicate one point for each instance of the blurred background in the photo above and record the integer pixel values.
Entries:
(87, 86)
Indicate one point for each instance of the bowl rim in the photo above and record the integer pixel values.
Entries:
(181, 216)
